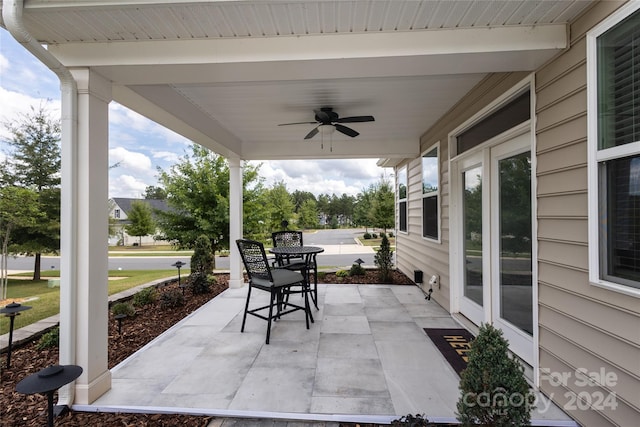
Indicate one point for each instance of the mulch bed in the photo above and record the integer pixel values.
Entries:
(31, 410)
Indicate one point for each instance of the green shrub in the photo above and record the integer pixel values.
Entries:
(125, 308)
(200, 282)
(493, 389)
(374, 236)
(144, 297)
(171, 299)
(366, 236)
(417, 420)
(391, 234)
(50, 339)
(357, 270)
(342, 273)
(322, 275)
(384, 260)
(203, 259)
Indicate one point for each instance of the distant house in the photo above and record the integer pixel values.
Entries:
(119, 208)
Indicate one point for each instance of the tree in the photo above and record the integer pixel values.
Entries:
(308, 214)
(383, 206)
(363, 207)
(156, 193)
(141, 218)
(33, 162)
(197, 190)
(299, 197)
(19, 207)
(280, 206)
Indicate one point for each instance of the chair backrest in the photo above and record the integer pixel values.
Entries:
(254, 259)
(286, 238)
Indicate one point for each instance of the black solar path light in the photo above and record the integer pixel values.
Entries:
(11, 311)
(359, 261)
(179, 265)
(47, 381)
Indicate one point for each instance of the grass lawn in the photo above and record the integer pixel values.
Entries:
(45, 301)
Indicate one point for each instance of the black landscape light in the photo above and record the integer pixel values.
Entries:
(179, 265)
(119, 318)
(47, 381)
(359, 261)
(11, 311)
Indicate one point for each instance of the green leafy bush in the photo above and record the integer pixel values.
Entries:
(374, 236)
(342, 273)
(201, 282)
(50, 339)
(384, 260)
(391, 234)
(203, 258)
(493, 389)
(322, 275)
(171, 299)
(124, 308)
(144, 297)
(417, 420)
(357, 270)
(366, 236)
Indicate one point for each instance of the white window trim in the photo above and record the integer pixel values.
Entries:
(405, 199)
(594, 156)
(431, 194)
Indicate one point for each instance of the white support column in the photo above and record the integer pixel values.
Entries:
(90, 267)
(236, 279)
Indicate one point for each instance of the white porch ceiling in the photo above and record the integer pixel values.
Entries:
(226, 73)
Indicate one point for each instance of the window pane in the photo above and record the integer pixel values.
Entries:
(512, 114)
(403, 216)
(430, 217)
(619, 84)
(514, 213)
(402, 183)
(430, 172)
(472, 207)
(622, 219)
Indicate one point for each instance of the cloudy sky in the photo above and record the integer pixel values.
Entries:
(141, 146)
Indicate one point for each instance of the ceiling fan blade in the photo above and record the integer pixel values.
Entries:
(298, 123)
(356, 119)
(347, 131)
(313, 133)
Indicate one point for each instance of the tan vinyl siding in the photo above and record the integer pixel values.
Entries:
(581, 326)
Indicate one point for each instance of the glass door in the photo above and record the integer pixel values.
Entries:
(473, 260)
(512, 261)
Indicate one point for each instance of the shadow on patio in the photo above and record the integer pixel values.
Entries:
(365, 359)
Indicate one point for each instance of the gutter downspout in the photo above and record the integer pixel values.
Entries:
(13, 22)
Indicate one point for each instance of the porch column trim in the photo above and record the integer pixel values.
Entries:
(236, 280)
(91, 235)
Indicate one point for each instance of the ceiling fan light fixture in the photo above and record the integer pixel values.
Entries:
(326, 129)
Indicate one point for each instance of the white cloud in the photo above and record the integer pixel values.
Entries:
(323, 176)
(126, 186)
(4, 64)
(167, 156)
(130, 161)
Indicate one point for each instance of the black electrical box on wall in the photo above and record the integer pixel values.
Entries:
(417, 276)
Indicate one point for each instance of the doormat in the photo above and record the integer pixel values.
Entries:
(454, 344)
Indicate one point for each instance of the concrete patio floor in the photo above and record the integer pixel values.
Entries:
(365, 359)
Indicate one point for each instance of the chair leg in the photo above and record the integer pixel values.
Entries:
(246, 308)
(273, 297)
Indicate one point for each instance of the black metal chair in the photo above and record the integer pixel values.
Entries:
(279, 282)
(288, 238)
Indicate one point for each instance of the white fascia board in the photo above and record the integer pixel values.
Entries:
(315, 47)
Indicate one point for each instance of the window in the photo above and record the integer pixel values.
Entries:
(614, 144)
(116, 213)
(402, 199)
(430, 188)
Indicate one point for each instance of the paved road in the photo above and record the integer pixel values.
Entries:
(340, 251)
